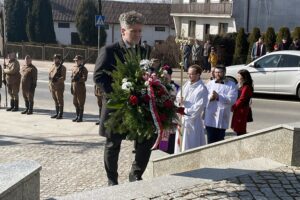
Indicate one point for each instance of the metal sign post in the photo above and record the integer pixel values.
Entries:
(99, 22)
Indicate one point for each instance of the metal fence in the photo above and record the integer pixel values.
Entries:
(46, 52)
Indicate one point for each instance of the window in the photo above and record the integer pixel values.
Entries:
(289, 61)
(206, 29)
(63, 25)
(192, 29)
(268, 62)
(193, 1)
(223, 28)
(160, 28)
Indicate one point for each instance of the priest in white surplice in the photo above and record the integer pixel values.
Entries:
(193, 103)
(222, 95)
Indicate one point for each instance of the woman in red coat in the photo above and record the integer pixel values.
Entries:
(241, 107)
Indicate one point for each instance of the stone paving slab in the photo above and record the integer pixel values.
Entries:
(71, 154)
(258, 186)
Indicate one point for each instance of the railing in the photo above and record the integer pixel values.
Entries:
(202, 8)
(46, 52)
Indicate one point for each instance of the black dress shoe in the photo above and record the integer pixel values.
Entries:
(111, 183)
(133, 177)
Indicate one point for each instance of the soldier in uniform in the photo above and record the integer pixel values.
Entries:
(12, 80)
(78, 90)
(57, 77)
(29, 78)
(99, 94)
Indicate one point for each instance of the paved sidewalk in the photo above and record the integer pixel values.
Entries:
(282, 183)
(71, 154)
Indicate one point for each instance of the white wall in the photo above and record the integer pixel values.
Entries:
(63, 35)
(200, 21)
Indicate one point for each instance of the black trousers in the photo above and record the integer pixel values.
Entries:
(111, 156)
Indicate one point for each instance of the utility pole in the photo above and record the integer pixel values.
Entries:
(99, 33)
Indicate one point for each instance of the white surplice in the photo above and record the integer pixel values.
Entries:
(217, 112)
(195, 100)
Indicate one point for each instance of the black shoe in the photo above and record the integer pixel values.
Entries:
(111, 183)
(24, 112)
(29, 112)
(75, 119)
(15, 109)
(54, 116)
(97, 123)
(133, 178)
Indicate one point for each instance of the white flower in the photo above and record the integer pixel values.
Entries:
(124, 80)
(145, 64)
(127, 86)
(147, 83)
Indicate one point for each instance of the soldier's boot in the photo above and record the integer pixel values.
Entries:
(56, 114)
(77, 115)
(12, 105)
(16, 108)
(61, 112)
(27, 108)
(80, 116)
(30, 109)
(98, 122)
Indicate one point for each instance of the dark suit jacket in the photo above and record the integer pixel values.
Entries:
(106, 62)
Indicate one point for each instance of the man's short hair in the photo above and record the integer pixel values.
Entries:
(221, 67)
(198, 68)
(131, 18)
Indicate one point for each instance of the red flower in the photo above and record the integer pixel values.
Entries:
(168, 104)
(163, 117)
(133, 100)
(146, 98)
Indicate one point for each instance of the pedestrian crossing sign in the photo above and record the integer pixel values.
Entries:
(99, 20)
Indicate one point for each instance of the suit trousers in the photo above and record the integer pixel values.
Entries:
(214, 134)
(111, 156)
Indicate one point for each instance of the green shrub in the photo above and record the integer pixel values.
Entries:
(241, 48)
(253, 37)
(270, 39)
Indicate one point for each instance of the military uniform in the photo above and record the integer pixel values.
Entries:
(99, 94)
(29, 79)
(13, 78)
(78, 90)
(57, 77)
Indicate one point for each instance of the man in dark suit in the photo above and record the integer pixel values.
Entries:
(131, 28)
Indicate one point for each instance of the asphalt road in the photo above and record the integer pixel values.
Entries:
(268, 110)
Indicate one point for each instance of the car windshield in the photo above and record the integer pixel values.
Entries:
(268, 61)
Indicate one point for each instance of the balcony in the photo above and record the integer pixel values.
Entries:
(202, 8)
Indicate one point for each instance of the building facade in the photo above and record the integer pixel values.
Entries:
(158, 27)
(199, 18)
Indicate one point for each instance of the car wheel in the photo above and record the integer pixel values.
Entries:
(232, 79)
(298, 92)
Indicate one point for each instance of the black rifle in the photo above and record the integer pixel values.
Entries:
(81, 67)
(4, 52)
(57, 75)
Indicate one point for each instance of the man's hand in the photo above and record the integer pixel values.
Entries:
(214, 96)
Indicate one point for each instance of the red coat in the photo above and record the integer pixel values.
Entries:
(240, 110)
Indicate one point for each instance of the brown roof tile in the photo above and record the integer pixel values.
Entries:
(155, 13)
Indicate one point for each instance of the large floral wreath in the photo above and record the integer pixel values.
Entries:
(141, 101)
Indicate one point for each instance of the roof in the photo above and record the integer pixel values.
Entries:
(155, 13)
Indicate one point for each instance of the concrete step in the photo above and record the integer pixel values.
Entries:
(172, 182)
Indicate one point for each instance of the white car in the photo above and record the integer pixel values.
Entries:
(274, 73)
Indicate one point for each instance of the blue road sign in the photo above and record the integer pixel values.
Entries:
(99, 20)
